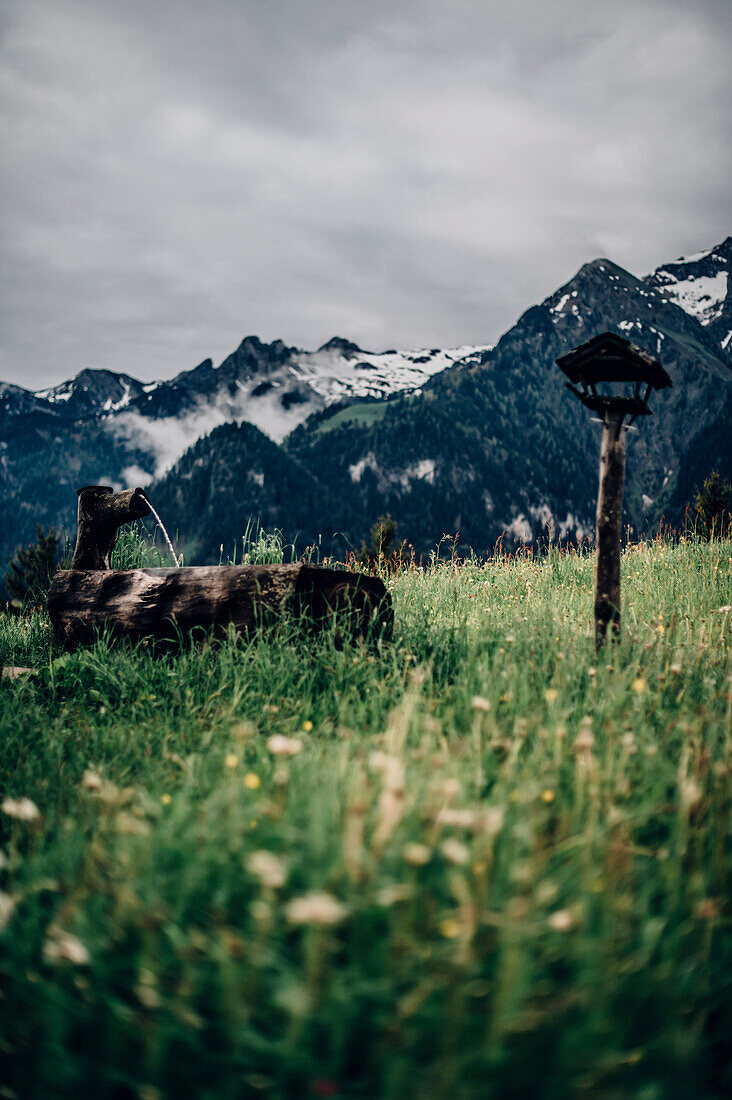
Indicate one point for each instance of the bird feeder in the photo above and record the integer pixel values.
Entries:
(614, 379)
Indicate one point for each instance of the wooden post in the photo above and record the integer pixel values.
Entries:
(609, 527)
(101, 512)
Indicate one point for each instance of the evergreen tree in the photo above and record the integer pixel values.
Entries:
(29, 575)
(710, 512)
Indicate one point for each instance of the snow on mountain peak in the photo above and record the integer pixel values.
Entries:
(699, 283)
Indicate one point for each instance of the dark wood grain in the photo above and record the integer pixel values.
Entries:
(100, 514)
(164, 603)
(609, 529)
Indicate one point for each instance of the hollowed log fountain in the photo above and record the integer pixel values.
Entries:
(165, 604)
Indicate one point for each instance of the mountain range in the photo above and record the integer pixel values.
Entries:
(481, 441)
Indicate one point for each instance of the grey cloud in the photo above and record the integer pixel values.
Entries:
(178, 174)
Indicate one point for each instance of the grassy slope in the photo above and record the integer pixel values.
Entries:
(568, 933)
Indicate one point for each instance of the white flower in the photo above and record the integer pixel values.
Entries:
(21, 808)
(279, 745)
(416, 854)
(316, 907)
(268, 868)
(479, 702)
(461, 819)
(63, 947)
(455, 851)
(562, 920)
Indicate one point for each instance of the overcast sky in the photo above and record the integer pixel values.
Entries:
(178, 174)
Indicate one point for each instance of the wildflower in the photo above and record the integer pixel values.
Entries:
(165, 799)
(106, 791)
(7, 905)
(551, 694)
(416, 854)
(450, 928)
(480, 703)
(316, 907)
(547, 795)
(23, 809)
(639, 685)
(461, 819)
(251, 781)
(307, 725)
(562, 920)
(592, 672)
(268, 868)
(231, 760)
(63, 947)
(492, 820)
(676, 669)
(279, 745)
(455, 851)
(391, 895)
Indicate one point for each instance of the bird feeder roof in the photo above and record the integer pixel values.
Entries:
(611, 358)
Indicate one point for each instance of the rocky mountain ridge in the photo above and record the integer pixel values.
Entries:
(493, 444)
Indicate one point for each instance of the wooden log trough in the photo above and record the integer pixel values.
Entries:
(166, 604)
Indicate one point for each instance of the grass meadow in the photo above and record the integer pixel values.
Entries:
(477, 861)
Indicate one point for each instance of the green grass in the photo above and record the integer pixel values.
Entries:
(524, 850)
(360, 413)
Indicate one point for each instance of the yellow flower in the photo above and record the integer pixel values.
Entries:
(450, 927)
(165, 799)
(547, 795)
(639, 685)
(307, 726)
(251, 781)
(231, 760)
(551, 694)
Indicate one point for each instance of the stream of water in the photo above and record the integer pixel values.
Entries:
(161, 525)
